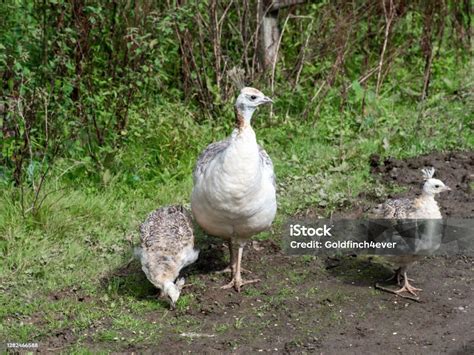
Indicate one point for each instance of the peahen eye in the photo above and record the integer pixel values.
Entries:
(253, 97)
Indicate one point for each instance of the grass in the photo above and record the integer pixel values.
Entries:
(61, 268)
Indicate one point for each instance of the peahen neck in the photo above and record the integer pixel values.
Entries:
(243, 117)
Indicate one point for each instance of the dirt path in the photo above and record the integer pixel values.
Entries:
(455, 169)
(329, 306)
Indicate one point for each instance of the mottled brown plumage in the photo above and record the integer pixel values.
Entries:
(396, 209)
(167, 246)
(424, 207)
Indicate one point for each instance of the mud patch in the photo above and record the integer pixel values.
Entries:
(307, 304)
(57, 341)
(70, 293)
(455, 169)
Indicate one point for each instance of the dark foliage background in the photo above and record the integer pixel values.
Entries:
(82, 79)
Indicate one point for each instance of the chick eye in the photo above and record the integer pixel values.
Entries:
(437, 186)
(253, 97)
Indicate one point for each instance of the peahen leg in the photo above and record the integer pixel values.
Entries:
(237, 281)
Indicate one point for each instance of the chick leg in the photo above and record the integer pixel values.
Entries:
(396, 276)
(399, 276)
(405, 288)
(237, 281)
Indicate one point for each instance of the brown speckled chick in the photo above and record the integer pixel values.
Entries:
(424, 207)
(167, 246)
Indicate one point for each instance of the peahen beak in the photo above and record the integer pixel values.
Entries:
(267, 100)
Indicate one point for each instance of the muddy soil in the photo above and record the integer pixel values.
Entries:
(455, 169)
(329, 306)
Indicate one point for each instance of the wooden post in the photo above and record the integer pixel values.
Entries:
(269, 31)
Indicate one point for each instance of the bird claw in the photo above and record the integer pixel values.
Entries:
(405, 288)
(237, 284)
(408, 288)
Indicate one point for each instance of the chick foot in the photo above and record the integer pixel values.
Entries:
(405, 288)
(408, 288)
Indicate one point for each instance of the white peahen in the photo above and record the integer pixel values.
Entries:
(234, 193)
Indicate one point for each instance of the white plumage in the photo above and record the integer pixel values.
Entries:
(424, 207)
(234, 193)
(167, 246)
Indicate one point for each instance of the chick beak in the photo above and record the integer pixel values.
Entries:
(172, 306)
(447, 188)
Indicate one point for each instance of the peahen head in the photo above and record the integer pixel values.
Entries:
(248, 101)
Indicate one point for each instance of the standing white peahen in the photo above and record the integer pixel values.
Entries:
(234, 193)
(424, 207)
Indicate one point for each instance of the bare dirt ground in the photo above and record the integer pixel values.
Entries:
(455, 169)
(329, 306)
